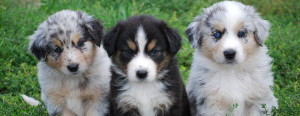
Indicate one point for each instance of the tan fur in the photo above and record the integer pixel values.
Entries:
(57, 42)
(67, 112)
(219, 27)
(89, 55)
(55, 63)
(131, 45)
(238, 26)
(118, 62)
(251, 46)
(151, 45)
(75, 37)
(164, 63)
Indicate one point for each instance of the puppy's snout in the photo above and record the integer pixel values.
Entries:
(141, 74)
(73, 67)
(229, 54)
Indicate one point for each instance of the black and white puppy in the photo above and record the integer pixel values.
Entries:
(145, 76)
(230, 64)
(73, 70)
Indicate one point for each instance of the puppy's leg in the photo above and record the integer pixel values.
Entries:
(67, 112)
(52, 109)
(270, 101)
(98, 108)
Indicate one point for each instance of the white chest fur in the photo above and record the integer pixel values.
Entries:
(145, 97)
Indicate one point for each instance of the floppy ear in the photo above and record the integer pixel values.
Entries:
(110, 40)
(193, 34)
(37, 46)
(95, 29)
(173, 38)
(261, 30)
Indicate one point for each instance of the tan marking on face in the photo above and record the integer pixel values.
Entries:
(238, 26)
(89, 55)
(251, 46)
(210, 48)
(219, 27)
(75, 37)
(56, 63)
(131, 45)
(118, 62)
(164, 63)
(57, 42)
(151, 45)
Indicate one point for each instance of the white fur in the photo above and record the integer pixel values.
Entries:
(30, 100)
(141, 61)
(235, 84)
(145, 96)
(246, 82)
(52, 80)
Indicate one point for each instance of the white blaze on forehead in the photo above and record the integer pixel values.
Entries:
(234, 14)
(141, 61)
(141, 39)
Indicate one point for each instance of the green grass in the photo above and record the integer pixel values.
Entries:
(18, 72)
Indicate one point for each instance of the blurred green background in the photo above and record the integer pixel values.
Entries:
(20, 18)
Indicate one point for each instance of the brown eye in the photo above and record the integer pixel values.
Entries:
(154, 52)
(58, 50)
(128, 52)
(242, 34)
(80, 43)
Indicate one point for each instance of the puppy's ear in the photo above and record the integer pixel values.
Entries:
(95, 29)
(37, 44)
(193, 34)
(110, 39)
(174, 39)
(261, 32)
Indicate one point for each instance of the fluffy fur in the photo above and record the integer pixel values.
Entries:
(230, 63)
(73, 70)
(145, 76)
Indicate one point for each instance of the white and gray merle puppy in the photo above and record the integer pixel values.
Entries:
(230, 64)
(73, 70)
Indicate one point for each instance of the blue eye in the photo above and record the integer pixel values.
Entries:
(154, 52)
(128, 52)
(241, 34)
(217, 34)
(58, 50)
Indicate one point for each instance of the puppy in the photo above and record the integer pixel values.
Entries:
(73, 70)
(145, 76)
(230, 63)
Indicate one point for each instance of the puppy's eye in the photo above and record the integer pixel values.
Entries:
(154, 52)
(58, 50)
(80, 43)
(128, 52)
(217, 34)
(241, 34)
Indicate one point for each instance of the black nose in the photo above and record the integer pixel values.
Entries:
(141, 74)
(229, 54)
(73, 67)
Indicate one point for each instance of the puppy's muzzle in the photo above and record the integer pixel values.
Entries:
(73, 67)
(141, 74)
(229, 54)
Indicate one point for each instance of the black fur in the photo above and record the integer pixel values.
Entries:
(168, 42)
(38, 49)
(96, 31)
